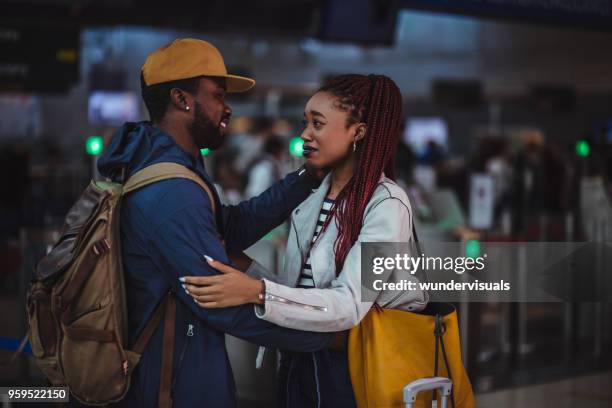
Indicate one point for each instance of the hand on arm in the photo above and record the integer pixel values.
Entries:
(231, 288)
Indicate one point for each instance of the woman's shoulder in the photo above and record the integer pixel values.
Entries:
(389, 189)
(386, 190)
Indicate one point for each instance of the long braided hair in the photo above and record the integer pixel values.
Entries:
(376, 101)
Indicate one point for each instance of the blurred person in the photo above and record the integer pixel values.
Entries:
(433, 154)
(538, 183)
(500, 170)
(250, 145)
(167, 226)
(268, 168)
(283, 128)
(228, 181)
(352, 127)
(492, 157)
(238, 131)
(405, 160)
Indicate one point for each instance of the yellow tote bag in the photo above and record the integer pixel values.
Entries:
(391, 348)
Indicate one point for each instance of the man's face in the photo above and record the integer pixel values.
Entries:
(211, 114)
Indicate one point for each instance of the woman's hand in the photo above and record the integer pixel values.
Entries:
(231, 288)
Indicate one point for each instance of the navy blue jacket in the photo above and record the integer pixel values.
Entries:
(166, 229)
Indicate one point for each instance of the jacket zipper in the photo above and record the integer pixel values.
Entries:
(297, 238)
(182, 355)
(273, 298)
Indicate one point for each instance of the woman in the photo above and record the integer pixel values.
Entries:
(352, 127)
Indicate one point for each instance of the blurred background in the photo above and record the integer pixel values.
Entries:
(507, 138)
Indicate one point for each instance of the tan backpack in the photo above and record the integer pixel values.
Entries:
(76, 303)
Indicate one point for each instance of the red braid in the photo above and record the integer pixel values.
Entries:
(377, 101)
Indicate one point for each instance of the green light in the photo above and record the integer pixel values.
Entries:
(204, 151)
(582, 148)
(296, 146)
(94, 145)
(472, 248)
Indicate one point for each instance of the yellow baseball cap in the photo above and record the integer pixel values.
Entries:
(188, 58)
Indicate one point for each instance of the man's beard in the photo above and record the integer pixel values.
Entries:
(203, 131)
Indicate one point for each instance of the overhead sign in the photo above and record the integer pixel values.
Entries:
(38, 59)
(370, 22)
(586, 13)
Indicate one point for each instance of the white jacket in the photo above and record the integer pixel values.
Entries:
(335, 303)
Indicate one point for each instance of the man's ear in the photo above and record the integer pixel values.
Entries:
(181, 99)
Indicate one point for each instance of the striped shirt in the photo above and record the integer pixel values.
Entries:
(306, 280)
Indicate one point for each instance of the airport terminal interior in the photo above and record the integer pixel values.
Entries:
(506, 138)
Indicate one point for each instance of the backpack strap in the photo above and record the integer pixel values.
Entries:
(167, 310)
(164, 398)
(151, 325)
(167, 307)
(164, 171)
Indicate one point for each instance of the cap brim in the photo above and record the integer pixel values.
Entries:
(237, 83)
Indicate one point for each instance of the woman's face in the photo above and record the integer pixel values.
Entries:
(327, 139)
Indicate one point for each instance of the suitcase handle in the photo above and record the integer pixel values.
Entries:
(444, 385)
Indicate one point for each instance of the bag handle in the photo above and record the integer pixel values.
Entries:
(416, 238)
(439, 330)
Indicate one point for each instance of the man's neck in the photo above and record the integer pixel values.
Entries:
(180, 135)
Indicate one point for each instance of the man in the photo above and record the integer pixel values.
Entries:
(167, 227)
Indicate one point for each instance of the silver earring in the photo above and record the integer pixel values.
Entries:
(186, 108)
(354, 146)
